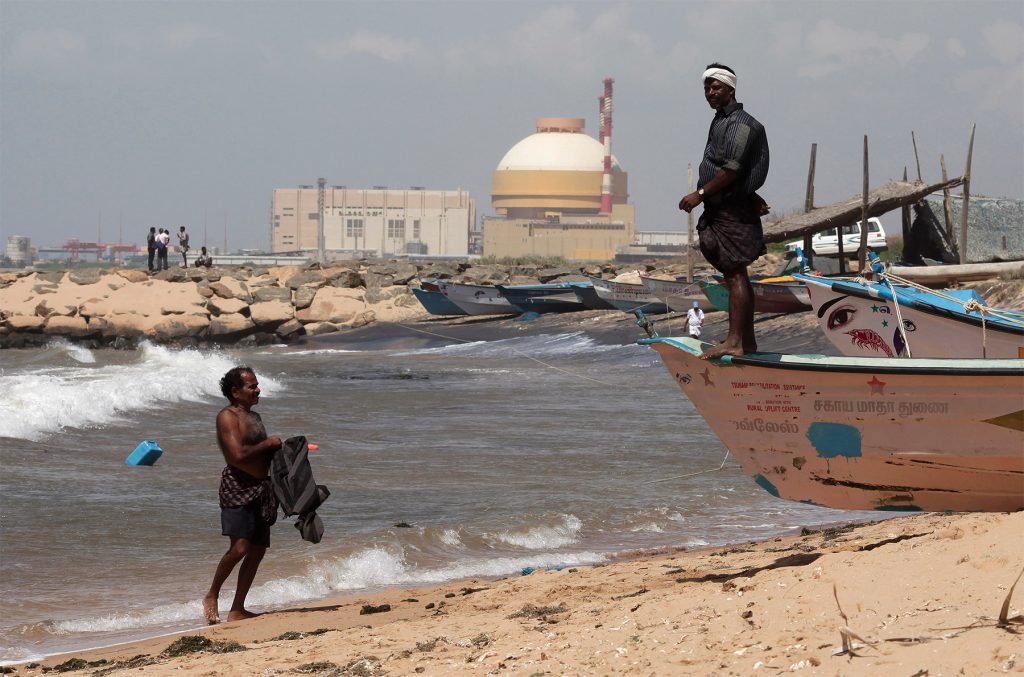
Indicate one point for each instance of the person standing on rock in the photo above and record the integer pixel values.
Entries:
(734, 167)
(183, 246)
(163, 241)
(151, 246)
(248, 506)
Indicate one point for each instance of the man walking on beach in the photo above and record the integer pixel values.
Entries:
(248, 506)
(735, 165)
(151, 245)
(694, 319)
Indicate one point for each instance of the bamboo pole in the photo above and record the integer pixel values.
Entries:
(689, 226)
(967, 199)
(947, 203)
(916, 159)
(809, 203)
(905, 213)
(862, 250)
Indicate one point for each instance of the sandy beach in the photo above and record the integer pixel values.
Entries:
(914, 595)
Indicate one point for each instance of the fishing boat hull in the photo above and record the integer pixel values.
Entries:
(769, 297)
(435, 302)
(543, 298)
(679, 295)
(587, 295)
(477, 299)
(628, 297)
(860, 320)
(864, 433)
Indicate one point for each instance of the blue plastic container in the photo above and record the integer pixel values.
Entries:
(146, 453)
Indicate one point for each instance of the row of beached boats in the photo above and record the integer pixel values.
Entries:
(652, 295)
(924, 410)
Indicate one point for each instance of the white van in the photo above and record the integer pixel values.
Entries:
(826, 243)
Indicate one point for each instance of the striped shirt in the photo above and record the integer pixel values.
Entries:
(738, 142)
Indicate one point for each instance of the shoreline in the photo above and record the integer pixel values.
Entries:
(920, 592)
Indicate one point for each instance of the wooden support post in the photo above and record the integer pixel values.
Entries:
(862, 250)
(916, 159)
(967, 199)
(947, 203)
(809, 204)
(905, 212)
(689, 227)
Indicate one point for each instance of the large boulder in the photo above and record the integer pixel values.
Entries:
(304, 296)
(230, 288)
(346, 278)
(128, 325)
(221, 306)
(318, 328)
(271, 313)
(272, 294)
(179, 326)
(84, 275)
(284, 273)
(333, 304)
(25, 322)
(307, 277)
(225, 326)
(53, 306)
(290, 328)
(133, 274)
(60, 325)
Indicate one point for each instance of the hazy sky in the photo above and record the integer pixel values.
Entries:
(185, 113)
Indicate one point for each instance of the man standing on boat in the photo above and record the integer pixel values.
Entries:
(735, 165)
(248, 506)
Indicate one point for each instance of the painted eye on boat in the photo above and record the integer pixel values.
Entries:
(841, 316)
(909, 325)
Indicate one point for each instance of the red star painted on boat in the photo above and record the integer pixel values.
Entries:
(707, 377)
(877, 387)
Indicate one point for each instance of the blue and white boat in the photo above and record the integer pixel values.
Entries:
(430, 297)
(628, 296)
(553, 297)
(477, 299)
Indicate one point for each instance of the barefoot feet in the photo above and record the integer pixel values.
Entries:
(720, 350)
(241, 615)
(210, 610)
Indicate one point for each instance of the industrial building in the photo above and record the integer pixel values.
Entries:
(561, 193)
(381, 222)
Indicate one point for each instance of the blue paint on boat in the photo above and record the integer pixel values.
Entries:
(834, 439)
(763, 482)
(436, 303)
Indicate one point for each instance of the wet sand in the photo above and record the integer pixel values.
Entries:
(914, 595)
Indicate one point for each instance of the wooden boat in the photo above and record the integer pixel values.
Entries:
(430, 297)
(587, 295)
(477, 299)
(771, 295)
(628, 296)
(864, 433)
(554, 297)
(679, 294)
(860, 318)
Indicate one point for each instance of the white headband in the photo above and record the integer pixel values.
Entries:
(721, 75)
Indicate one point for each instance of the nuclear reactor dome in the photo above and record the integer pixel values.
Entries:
(557, 169)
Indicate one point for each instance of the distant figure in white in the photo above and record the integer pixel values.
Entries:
(695, 318)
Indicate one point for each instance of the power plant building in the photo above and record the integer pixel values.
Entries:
(381, 222)
(561, 193)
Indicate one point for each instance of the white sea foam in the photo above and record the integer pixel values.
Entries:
(540, 346)
(37, 404)
(366, 569)
(451, 537)
(650, 527)
(75, 352)
(543, 537)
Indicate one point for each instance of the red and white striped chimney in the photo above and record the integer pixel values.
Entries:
(606, 134)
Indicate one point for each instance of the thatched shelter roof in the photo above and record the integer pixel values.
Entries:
(892, 195)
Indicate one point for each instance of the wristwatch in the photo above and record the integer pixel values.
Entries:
(700, 192)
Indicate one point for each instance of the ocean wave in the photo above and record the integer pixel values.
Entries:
(34, 405)
(540, 346)
(544, 536)
(371, 568)
(75, 352)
